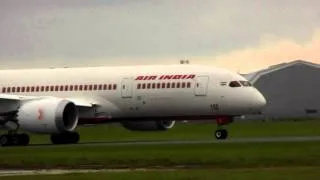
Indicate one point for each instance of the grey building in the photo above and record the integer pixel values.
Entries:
(292, 90)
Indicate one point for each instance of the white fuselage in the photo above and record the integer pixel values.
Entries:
(133, 92)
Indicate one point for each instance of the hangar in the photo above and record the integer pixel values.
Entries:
(292, 90)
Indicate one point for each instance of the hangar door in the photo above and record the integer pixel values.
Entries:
(201, 86)
(126, 87)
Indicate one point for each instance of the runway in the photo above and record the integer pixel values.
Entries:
(163, 142)
(68, 171)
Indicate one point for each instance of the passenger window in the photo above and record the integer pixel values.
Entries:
(18, 89)
(66, 87)
(143, 86)
(22, 89)
(95, 87)
(153, 85)
(13, 89)
(61, 88)
(110, 87)
(139, 86)
(42, 88)
(28, 89)
(189, 85)
(114, 86)
(173, 85)
(80, 87)
(71, 87)
(100, 87)
(148, 86)
(90, 87)
(8, 89)
(178, 85)
(183, 85)
(168, 85)
(3, 89)
(163, 85)
(37, 89)
(76, 87)
(158, 85)
(234, 84)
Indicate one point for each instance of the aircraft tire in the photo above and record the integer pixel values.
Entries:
(221, 134)
(65, 138)
(5, 140)
(24, 139)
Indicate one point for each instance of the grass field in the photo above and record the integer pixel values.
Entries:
(296, 173)
(268, 160)
(195, 131)
(221, 155)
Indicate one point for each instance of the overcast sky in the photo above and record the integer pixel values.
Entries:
(242, 35)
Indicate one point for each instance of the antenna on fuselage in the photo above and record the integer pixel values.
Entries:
(184, 61)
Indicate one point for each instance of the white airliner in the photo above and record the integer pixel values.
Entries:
(56, 101)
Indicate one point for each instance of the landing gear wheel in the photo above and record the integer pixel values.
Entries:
(5, 140)
(24, 139)
(14, 139)
(221, 134)
(65, 138)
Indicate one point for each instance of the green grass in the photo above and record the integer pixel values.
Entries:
(196, 131)
(225, 155)
(296, 173)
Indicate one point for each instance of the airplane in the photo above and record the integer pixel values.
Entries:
(55, 101)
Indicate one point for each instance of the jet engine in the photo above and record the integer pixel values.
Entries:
(152, 125)
(49, 115)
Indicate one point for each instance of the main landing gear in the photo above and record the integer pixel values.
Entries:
(65, 138)
(221, 133)
(14, 139)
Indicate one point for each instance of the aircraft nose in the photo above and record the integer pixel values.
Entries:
(259, 101)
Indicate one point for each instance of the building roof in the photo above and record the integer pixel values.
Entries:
(253, 77)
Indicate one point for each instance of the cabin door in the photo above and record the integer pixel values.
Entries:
(201, 85)
(126, 87)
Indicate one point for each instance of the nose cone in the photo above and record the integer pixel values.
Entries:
(259, 101)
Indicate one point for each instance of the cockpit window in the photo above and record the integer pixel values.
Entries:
(245, 83)
(234, 84)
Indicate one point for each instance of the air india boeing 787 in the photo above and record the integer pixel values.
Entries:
(55, 101)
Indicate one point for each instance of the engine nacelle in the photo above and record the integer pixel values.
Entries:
(49, 115)
(161, 125)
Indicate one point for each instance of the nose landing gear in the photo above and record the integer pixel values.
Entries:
(222, 133)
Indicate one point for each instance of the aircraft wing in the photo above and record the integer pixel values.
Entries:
(82, 102)
(11, 103)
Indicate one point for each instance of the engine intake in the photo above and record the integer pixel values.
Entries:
(50, 115)
(152, 125)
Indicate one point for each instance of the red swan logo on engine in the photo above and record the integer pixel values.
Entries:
(40, 115)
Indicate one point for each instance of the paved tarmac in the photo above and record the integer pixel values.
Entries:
(213, 141)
